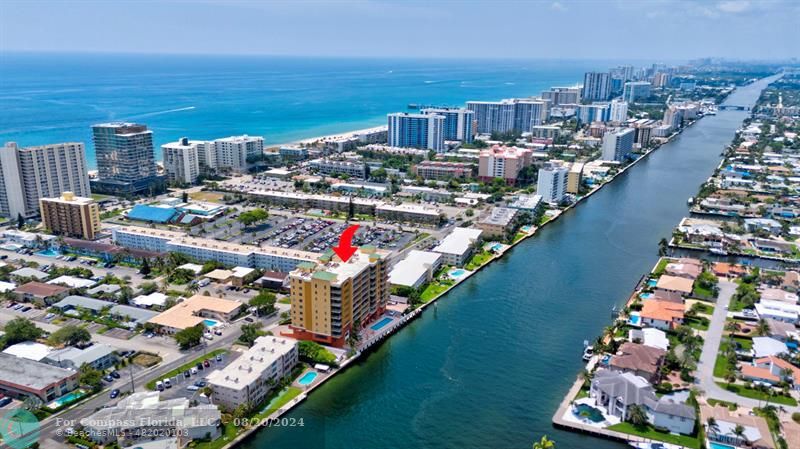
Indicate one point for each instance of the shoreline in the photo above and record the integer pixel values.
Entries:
(418, 311)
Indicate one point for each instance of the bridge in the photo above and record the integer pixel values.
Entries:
(731, 107)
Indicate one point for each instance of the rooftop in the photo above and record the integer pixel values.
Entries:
(184, 314)
(250, 366)
(41, 290)
(24, 373)
(416, 264)
(30, 350)
(458, 241)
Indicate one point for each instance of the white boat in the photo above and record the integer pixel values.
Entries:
(588, 352)
(655, 445)
(718, 251)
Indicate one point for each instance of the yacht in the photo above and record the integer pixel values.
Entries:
(588, 352)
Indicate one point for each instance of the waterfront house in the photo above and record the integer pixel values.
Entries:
(727, 270)
(778, 310)
(684, 268)
(771, 370)
(618, 392)
(665, 295)
(457, 247)
(756, 433)
(643, 361)
(767, 346)
(664, 315)
(676, 284)
(649, 336)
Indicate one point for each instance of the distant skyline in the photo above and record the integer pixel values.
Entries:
(614, 29)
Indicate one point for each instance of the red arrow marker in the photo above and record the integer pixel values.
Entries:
(345, 250)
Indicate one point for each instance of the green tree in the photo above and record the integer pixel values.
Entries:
(190, 336)
(70, 335)
(637, 416)
(544, 443)
(264, 303)
(185, 197)
(20, 221)
(712, 425)
(250, 332)
(21, 329)
(145, 269)
(90, 377)
(250, 217)
(314, 352)
(762, 328)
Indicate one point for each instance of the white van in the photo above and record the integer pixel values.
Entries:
(167, 383)
(159, 385)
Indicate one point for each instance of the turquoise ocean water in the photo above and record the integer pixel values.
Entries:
(48, 98)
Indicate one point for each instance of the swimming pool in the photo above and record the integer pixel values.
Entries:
(588, 412)
(652, 282)
(715, 445)
(646, 295)
(457, 273)
(66, 399)
(49, 252)
(634, 319)
(210, 323)
(307, 378)
(377, 326)
(497, 247)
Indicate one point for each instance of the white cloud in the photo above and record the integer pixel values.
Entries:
(557, 6)
(733, 6)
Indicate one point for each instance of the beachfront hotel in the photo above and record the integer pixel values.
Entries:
(71, 216)
(249, 379)
(200, 249)
(30, 173)
(330, 298)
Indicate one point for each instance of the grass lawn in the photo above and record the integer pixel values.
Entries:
(743, 391)
(519, 236)
(649, 432)
(721, 366)
(146, 360)
(731, 406)
(433, 290)
(699, 323)
(229, 432)
(211, 197)
(282, 398)
(704, 308)
(747, 343)
(285, 300)
(478, 260)
(701, 292)
(661, 267)
(151, 385)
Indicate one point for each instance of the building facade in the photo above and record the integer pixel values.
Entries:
(508, 115)
(552, 182)
(562, 95)
(619, 111)
(457, 122)
(125, 159)
(618, 145)
(596, 86)
(503, 162)
(30, 173)
(71, 216)
(636, 90)
(182, 161)
(416, 131)
(331, 299)
(442, 171)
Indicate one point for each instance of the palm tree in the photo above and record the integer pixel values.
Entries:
(544, 443)
(637, 416)
(712, 425)
(762, 328)
(739, 432)
(192, 288)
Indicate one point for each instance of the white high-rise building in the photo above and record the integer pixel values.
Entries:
(596, 86)
(30, 173)
(618, 144)
(619, 111)
(181, 161)
(457, 122)
(234, 152)
(552, 183)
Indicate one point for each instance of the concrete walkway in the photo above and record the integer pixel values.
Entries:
(713, 338)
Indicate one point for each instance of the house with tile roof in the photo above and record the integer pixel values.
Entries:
(643, 361)
(771, 370)
(664, 315)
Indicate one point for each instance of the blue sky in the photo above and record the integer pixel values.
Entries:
(601, 29)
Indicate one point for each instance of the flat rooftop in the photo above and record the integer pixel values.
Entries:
(23, 373)
(250, 366)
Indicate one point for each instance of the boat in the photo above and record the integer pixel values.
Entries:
(643, 445)
(690, 201)
(413, 106)
(588, 353)
(718, 251)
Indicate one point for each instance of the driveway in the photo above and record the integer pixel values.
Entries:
(713, 338)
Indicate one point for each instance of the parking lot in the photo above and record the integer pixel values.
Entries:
(188, 387)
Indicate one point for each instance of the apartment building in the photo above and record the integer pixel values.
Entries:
(30, 173)
(71, 216)
(552, 182)
(457, 122)
(574, 178)
(229, 254)
(416, 131)
(498, 222)
(355, 169)
(330, 298)
(618, 145)
(182, 161)
(125, 159)
(249, 379)
(457, 247)
(443, 171)
(502, 162)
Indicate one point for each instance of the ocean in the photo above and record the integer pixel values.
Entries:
(50, 98)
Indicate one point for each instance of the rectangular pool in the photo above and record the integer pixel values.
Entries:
(380, 324)
(209, 323)
(307, 378)
(715, 445)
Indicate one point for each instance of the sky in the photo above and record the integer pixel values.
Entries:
(561, 29)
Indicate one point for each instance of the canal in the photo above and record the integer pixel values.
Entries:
(488, 367)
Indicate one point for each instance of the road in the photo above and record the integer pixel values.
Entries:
(713, 338)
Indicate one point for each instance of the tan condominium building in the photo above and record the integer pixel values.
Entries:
(249, 379)
(331, 298)
(70, 215)
(574, 178)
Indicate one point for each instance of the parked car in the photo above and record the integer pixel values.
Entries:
(219, 357)
(199, 365)
(159, 385)
(192, 388)
(167, 383)
(187, 374)
(206, 363)
(4, 402)
(200, 383)
(193, 370)
(114, 393)
(108, 378)
(115, 375)
(25, 309)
